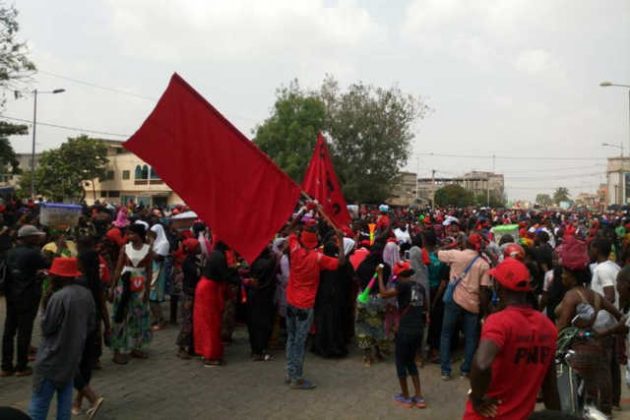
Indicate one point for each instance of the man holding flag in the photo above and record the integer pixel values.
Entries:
(306, 264)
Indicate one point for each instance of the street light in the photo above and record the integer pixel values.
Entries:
(609, 84)
(620, 147)
(35, 93)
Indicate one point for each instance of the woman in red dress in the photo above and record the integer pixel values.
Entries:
(209, 305)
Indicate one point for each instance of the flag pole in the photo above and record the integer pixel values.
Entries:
(322, 213)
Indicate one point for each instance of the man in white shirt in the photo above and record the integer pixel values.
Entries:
(402, 234)
(604, 282)
(604, 271)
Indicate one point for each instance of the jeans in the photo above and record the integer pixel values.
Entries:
(470, 325)
(19, 321)
(298, 324)
(43, 394)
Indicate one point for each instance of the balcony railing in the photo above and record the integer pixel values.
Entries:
(148, 182)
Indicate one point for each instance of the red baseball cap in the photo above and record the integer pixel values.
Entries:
(512, 274)
(403, 268)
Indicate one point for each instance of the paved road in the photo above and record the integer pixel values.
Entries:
(165, 387)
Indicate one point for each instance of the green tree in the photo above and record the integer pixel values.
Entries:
(15, 66)
(561, 194)
(7, 154)
(544, 200)
(288, 136)
(370, 131)
(60, 172)
(454, 195)
(15, 71)
(495, 201)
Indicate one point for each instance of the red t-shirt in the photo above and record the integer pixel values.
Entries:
(527, 345)
(304, 270)
(383, 222)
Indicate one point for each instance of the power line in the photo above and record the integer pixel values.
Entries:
(94, 85)
(65, 127)
(555, 177)
(510, 157)
(124, 92)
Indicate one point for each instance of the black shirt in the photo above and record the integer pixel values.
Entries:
(411, 304)
(23, 283)
(192, 273)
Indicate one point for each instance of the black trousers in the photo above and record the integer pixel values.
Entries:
(19, 321)
(437, 314)
(407, 346)
(260, 319)
(615, 373)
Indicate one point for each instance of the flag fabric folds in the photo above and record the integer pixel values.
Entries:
(321, 183)
(233, 186)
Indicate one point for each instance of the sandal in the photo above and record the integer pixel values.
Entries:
(403, 401)
(138, 354)
(91, 412)
(120, 359)
(212, 363)
(184, 355)
(419, 402)
(76, 411)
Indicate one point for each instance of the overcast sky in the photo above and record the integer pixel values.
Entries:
(514, 78)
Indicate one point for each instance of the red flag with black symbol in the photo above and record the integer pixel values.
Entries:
(320, 182)
(233, 186)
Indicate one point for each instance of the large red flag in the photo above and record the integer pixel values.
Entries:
(215, 169)
(321, 183)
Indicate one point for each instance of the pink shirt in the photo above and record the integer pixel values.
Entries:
(466, 293)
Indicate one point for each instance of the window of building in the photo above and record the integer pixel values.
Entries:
(103, 193)
(114, 194)
(126, 175)
(110, 175)
(145, 172)
(138, 174)
(154, 174)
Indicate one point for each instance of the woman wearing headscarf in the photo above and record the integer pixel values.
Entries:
(331, 306)
(369, 325)
(391, 255)
(261, 287)
(160, 249)
(191, 269)
(130, 312)
(583, 318)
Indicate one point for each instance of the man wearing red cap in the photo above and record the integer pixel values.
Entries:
(516, 353)
(306, 263)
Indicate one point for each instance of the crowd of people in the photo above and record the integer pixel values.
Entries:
(416, 285)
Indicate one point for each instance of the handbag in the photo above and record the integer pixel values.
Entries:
(452, 285)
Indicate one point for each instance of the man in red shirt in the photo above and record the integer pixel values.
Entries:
(305, 264)
(516, 353)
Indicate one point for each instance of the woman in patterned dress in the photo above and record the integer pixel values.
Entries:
(131, 330)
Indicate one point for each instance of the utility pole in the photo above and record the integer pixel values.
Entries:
(433, 188)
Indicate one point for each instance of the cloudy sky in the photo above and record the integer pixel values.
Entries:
(518, 79)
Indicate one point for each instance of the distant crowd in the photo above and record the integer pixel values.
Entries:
(513, 288)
